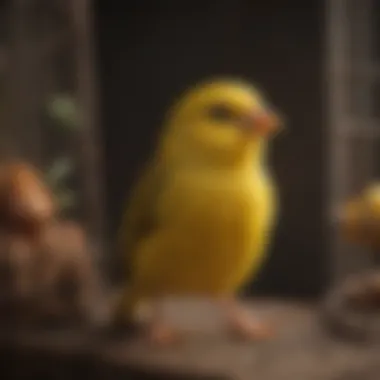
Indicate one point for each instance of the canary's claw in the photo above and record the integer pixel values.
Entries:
(251, 329)
(244, 325)
(162, 335)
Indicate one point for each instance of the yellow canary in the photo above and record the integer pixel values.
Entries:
(200, 218)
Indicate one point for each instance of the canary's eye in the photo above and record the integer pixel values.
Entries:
(220, 112)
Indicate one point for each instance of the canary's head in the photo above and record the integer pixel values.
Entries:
(221, 119)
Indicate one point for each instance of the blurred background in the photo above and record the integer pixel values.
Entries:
(84, 85)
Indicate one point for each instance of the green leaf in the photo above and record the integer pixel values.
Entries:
(60, 169)
(66, 199)
(63, 109)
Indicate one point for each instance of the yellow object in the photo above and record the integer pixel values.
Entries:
(359, 219)
(201, 215)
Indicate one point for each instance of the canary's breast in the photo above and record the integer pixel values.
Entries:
(215, 236)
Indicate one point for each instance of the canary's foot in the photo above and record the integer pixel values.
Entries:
(161, 335)
(246, 326)
(251, 329)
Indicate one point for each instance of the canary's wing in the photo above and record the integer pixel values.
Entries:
(139, 216)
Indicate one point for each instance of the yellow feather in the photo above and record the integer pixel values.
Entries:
(202, 214)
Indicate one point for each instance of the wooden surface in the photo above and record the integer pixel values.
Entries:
(351, 308)
(300, 351)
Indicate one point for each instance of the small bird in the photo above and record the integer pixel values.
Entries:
(200, 217)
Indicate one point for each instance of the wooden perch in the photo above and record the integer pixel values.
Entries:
(300, 351)
(351, 310)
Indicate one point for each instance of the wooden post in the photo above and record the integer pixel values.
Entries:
(89, 138)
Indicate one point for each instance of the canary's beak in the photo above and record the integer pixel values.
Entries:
(265, 123)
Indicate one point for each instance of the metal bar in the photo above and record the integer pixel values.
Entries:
(370, 70)
(362, 19)
(336, 58)
(89, 135)
(367, 128)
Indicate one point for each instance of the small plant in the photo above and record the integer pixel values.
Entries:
(63, 111)
(56, 175)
